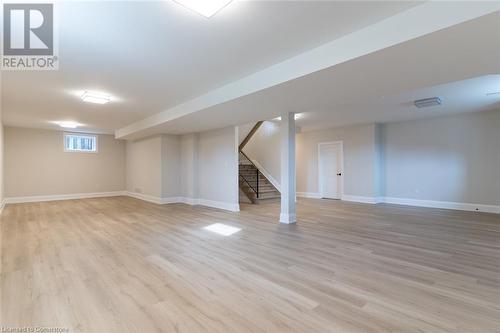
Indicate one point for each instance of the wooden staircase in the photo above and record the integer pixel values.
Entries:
(251, 181)
(256, 191)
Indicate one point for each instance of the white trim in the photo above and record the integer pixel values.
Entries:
(145, 197)
(189, 201)
(340, 143)
(288, 218)
(219, 204)
(42, 198)
(361, 199)
(236, 185)
(149, 198)
(443, 205)
(414, 202)
(171, 200)
(236, 207)
(153, 199)
(314, 195)
(266, 174)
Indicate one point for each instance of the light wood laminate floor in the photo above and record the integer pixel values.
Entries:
(123, 265)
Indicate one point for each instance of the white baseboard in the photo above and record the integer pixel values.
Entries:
(42, 198)
(153, 199)
(288, 218)
(170, 200)
(219, 204)
(424, 203)
(2, 205)
(189, 201)
(266, 174)
(360, 199)
(236, 207)
(140, 196)
(443, 205)
(145, 197)
(312, 195)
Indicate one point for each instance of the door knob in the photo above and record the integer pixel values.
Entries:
(339, 174)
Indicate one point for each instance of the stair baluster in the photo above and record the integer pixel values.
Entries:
(257, 175)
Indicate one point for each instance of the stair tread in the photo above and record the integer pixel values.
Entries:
(248, 181)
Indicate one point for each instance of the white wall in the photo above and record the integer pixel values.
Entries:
(448, 162)
(200, 168)
(379, 163)
(452, 159)
(2, 202)
(153, 168)
(37, 165)
(359, 174)
(264, 150)
(189, 166)
(171, 166)
(360, 157)
(144, 167)
(218, 167)
(243, 131)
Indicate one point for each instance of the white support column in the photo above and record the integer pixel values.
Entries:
(288, 168)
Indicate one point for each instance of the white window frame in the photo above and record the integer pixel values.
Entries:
(81, 151)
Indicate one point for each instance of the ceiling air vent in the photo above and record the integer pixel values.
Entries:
(428, 102)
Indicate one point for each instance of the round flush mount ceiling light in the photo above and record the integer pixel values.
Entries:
(95, 97)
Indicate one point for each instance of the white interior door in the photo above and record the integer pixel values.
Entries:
(330, 164)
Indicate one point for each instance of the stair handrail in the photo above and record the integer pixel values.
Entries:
(250, 134)
(257, 175)
(246, 181)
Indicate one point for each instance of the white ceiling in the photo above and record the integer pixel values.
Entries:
(460, 64)
(152, 55)
(458, 97)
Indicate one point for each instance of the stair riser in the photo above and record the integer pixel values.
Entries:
(253, 179)
(252, 175)
(253, 182)
(266, 190)
(262, 191)
(268, 197)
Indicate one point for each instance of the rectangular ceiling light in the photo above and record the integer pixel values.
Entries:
(428, 102)
(206, 8)
(222, 229)
(95, 97)
(67, 124)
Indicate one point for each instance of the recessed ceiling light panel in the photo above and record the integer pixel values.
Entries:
(428, 102)
(206, 8)
(95, 97)
(297, 116)
(67, 124)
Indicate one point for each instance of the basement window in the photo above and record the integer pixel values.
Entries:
(80, 143)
